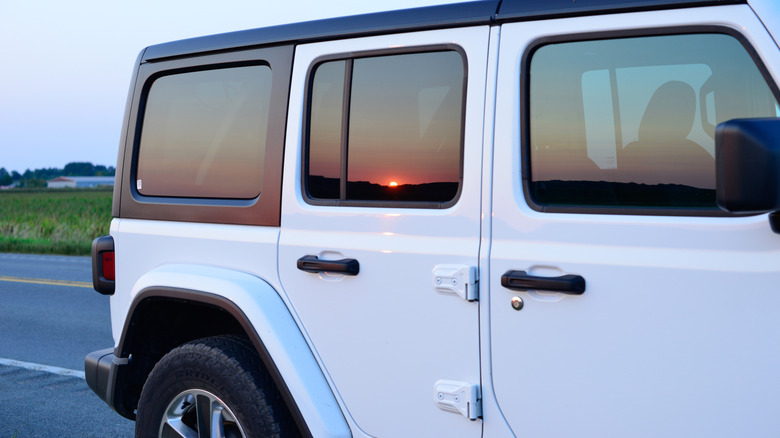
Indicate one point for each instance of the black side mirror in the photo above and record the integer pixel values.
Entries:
(747, 167)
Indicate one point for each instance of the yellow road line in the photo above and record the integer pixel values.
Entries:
(45, 281)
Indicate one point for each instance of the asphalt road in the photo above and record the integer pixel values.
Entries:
(50, 318)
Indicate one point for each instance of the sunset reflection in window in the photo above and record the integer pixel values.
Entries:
(403, 133)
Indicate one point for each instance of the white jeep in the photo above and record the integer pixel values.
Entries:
(497, 218)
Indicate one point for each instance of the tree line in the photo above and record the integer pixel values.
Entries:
(38, 177)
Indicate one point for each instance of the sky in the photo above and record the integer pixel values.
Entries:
(65, 67)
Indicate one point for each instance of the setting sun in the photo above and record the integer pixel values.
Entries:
(393, 184)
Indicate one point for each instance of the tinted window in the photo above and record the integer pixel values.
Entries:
(631, 121)
(325, 130)
(394, 135)
(204, 134)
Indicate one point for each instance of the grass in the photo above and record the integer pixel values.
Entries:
(57, 221)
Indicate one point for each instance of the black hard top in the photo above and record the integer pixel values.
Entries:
(425, 18)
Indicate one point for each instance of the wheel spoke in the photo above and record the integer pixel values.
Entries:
(204, 415)
(217, 425)
(199, 414)
(170, 430)
(174, 424)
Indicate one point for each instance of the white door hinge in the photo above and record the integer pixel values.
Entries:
(457, 279)
(459, 397)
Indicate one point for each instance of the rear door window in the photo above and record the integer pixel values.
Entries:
(386, 128)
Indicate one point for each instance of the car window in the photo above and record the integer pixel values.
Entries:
(630, 122)
(386, 128)
(204, 133)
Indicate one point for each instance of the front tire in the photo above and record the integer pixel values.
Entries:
(212, 387)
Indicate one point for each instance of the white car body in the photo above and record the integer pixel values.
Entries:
(676, 333)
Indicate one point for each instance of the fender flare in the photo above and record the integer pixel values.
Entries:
(272, 330)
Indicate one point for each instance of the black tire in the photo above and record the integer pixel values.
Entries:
(222, 373)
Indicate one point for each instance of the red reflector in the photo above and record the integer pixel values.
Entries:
(108, 265)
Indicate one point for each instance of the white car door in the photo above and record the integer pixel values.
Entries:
(376, 197)
(623, 303)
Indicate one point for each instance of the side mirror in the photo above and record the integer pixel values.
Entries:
(747, 167)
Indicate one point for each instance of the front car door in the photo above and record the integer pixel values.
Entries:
(377, 195)
(605, 172)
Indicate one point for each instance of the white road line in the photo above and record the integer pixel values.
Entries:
(45, 368)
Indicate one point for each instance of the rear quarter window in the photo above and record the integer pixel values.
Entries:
(206, 138)
(204, 134)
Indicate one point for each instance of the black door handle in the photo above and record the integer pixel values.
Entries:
(519, 280)
(312, 263)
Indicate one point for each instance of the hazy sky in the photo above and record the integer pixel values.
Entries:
(66, 66)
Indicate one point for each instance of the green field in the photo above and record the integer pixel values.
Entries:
(58, 221)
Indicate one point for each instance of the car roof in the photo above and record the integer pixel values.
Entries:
(481, 12)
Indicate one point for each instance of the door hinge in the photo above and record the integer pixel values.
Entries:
(457, 279)
(459, 397)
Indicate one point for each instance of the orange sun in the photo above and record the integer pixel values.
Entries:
(393, 184)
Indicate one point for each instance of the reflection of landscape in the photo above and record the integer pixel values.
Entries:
(614, 194)
(328, 188)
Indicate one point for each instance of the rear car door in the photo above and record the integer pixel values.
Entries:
(381, 222)
(623, 301)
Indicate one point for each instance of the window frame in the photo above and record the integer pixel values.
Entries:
(525, 116)
(352, 56)
(263, 209)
